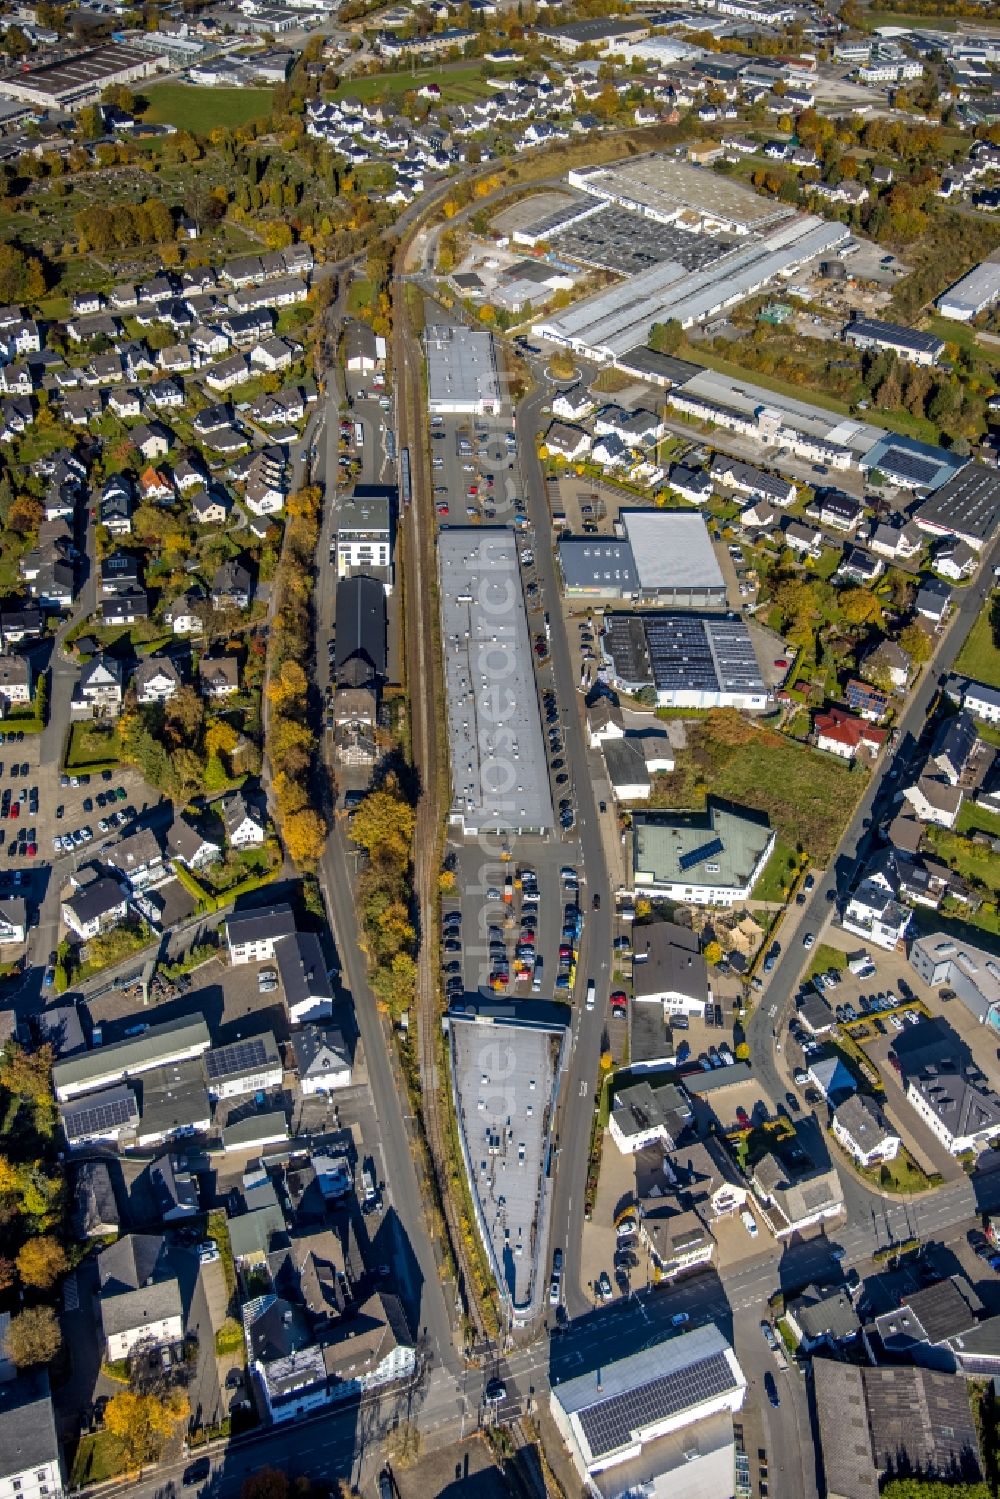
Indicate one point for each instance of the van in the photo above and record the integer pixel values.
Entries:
(591, 993)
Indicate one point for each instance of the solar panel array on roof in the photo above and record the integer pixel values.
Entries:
(909, 465)
(100, 1114)
(238, 1057)
(680, 653)
(609, 1424)
(696, 855)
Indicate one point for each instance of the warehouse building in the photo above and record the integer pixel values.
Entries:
(908, 343)
(82, 77)
(710, 858)
(690, 660)
(612, 322)
(462, 375)
(660, 557)
(499, 770)
(976, 292)
(667, 189)
(967, 507)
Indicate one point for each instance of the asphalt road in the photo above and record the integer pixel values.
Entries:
(577, 1104)
(871, 1221)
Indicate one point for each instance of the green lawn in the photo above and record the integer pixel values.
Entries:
(827, 957)
(808, 796)
(979, 657)
(91, 747)
(876, 18)
(200, 110)
(778, 874)
(968, 859)
(359, 296)
(459, 83)
(98, 1457)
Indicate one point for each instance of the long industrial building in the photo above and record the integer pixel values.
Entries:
(673, 191)
(462, 376)
(664, 557)
(691, 661)
(608, 324)
(975, 292)
(81, 77)
(499, 770)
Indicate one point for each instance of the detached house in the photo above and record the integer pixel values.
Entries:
(94, 907)
(182, 615)
(874, 910)
(232, 587)
(140, 1298)
(219, 676)
(840, 733)
(156, 680)
(99, 692)
(244, 822)
(861, 1128)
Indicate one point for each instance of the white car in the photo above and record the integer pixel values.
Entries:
(749, 1223)
(208, 1256)
(895, 1022)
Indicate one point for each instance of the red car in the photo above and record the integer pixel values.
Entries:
(742, 1118)
(15, 809)
(619, 1000)
(565, 953)
(442, 510)
(32, 850)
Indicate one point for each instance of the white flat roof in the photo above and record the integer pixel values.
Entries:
(672, 549)
(499, 770)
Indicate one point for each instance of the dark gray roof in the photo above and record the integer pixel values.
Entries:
(968, 504)
(241, 1058)
(95, 900)
(173, 1185)
(825, 1313)
(260, 922)
(894, 335)
(302, 969)
(134, 1261)
(27, 1425)
(667, 959)
(319, 1047)
(361, 631)
(901, 1419)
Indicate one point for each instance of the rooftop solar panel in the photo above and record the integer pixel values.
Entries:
(697, 855)
(609, 1424)
(97, 1117)
(910, 465)
(240, 1056)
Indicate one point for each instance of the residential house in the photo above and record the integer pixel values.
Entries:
(154, 486)
(184, 614)
(816, 1317)
(872, 703)
(934, 800)
(15, 683)
(94, 907)
(642, 1116)
(793, 1198)
(244, 822)
(189, 846)
(175, 1189)
(860, 1126)
(253, 936)
(896, 543)
(95, 1210)
(139, 1299)
(305, 980)
(275, 354)
(691, 483)
(807, 542)
(841, 733)
(210, 507)
(232, 587)
(13, 920)
(668, 969)
(874, 909)
(152, 441)
(932, 602)
(887, 665)
(566, 441)
(138, 859)
(219, 676)
(100, 689)
(30, 1456)
(943, 1326)
(125, 607)
(156, 680)
(322, 1059)
(956, 560)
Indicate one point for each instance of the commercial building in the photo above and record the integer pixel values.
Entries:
(462, 374)
(668, 969)
(946, 1088)
(976, 292)
(610, 323)
(499, 769)
(664, 188)
(365, 534)
(242, 1067)
(617, 1418)
(160, 1045)
(967, 506)
(692, 661)
(870, 333)
(663, 557)
(642, 1116)
(591, 33)
(973, 974)
(504, 1078)
(878, 1422)
(711, 858)
(81, 77)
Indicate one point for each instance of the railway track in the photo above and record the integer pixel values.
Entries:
(424, 693)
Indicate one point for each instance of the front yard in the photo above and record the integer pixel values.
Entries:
(92, 746)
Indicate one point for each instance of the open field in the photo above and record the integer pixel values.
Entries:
(458, 84)
(778, 873)
(876, 18)
(200, 110)
(806, 795)
(979, 657)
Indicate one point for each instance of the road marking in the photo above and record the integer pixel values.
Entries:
(773, 1010)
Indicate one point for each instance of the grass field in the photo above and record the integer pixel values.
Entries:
(778, 873)
(979, 657)
(875, 18)
(200, 110)
(90, 747)
(807, 796)
(827, 957)
(98, 1458)
(458, 84)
